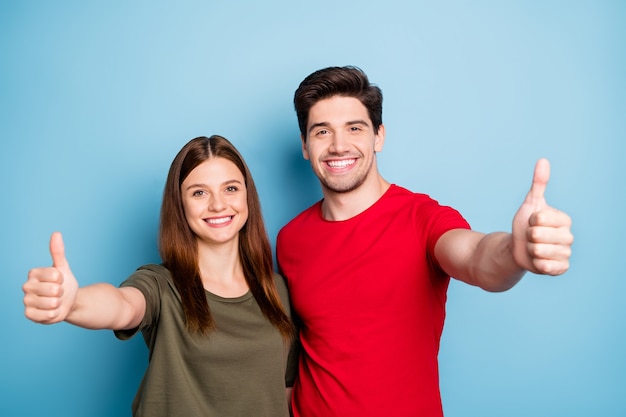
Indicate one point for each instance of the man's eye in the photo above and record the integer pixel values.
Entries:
(322, 132)
(355, 128)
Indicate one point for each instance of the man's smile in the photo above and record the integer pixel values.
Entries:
(341, 163)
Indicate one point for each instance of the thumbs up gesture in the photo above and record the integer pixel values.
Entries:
(50, 292)
(542, 237)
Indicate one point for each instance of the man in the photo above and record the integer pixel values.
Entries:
(368, 266)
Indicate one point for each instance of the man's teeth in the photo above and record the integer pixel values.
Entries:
(341, 164)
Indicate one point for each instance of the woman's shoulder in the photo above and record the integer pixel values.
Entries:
(157, 269)
(281, 287)
(280, 283)
(151, 276)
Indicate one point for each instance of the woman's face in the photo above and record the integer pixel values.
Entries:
(214, 198)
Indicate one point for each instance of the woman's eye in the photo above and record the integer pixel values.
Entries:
(231, 189)
(198, 193)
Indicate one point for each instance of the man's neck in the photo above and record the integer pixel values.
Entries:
(343, 206)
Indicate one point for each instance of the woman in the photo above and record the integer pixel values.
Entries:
(213, 315)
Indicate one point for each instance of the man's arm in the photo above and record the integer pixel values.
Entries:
(540, 242)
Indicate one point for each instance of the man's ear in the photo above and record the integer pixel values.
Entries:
(380, 139)
(305, 152)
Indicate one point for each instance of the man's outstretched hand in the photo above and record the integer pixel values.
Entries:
(542, 237)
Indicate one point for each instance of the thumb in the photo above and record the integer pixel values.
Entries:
(57, 251)
(540, 181)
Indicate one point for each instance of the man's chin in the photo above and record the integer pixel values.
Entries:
(341, 188)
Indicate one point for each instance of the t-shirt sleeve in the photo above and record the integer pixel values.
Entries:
(441, 219)
(148, 279)
(292, 363)
(292, 359)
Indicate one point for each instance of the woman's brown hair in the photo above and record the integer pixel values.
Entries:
(178, 248)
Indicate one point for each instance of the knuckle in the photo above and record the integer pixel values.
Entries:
(534, 234)
(51, 315)
(54, 303)
(567, 252)
(56, 276)
(56, 291)
(567, 219)
(540, 217)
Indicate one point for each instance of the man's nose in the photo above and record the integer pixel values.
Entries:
(339, 143)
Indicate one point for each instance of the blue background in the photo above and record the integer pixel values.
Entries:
(96, 98)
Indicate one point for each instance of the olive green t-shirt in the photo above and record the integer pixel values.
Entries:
(237, 370)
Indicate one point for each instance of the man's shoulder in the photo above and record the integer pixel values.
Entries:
(399, 192)
(303, 217)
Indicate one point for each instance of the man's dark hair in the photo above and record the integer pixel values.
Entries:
(348, 81)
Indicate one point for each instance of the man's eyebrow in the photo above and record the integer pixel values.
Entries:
(315, 125)
(348, 123)
(357, 122)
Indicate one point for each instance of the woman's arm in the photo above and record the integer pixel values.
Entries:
(52, 295)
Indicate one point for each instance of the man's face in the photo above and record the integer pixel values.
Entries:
(341, 144)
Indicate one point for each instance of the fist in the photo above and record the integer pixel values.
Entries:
(50, 292)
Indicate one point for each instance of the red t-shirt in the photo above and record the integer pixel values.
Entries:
(372, 305)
